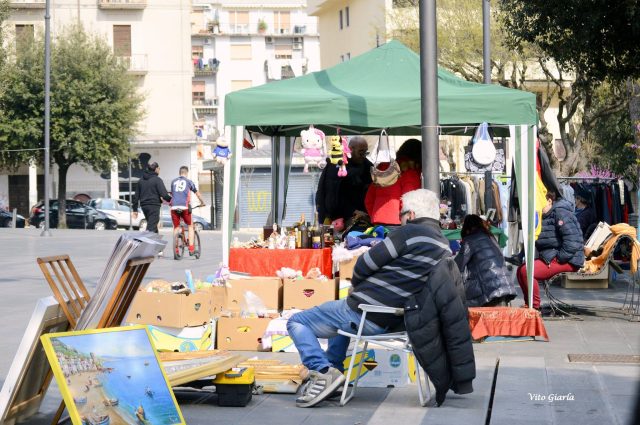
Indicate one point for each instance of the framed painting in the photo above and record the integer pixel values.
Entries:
(111, 376)
(28, 378)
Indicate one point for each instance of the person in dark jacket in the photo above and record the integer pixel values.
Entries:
(486, 282)
(585, 213)
(149, 195)
(387, 275)
(341, 197)
(559, 247)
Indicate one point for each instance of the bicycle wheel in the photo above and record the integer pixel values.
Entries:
(178, 246)
(196, 245)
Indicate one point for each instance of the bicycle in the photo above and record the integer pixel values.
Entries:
(180, 240)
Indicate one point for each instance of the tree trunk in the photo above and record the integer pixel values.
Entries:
(62, 195)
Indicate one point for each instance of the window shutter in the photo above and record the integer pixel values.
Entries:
(122, 40)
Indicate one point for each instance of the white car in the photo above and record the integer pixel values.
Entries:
(120, 210)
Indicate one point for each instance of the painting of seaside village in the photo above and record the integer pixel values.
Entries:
(111, 377)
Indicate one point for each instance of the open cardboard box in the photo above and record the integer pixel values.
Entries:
(307, 293)
(345, 268)
(268, 289)
(172, 310)
(241, 333)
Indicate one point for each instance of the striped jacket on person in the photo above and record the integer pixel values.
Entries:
(393, 270)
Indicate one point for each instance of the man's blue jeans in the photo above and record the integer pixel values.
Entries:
(324, 321)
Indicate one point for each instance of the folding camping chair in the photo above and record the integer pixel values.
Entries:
(395, 340)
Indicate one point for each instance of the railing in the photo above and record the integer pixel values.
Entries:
(27, 4)
(122, 4)
(210, 102)
(136, 64)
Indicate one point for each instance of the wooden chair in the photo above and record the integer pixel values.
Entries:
(66, 285)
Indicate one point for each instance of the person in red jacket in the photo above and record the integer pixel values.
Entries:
(383, 203)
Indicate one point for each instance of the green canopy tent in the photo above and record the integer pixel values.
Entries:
(378, 89)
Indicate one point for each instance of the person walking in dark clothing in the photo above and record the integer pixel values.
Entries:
(149, 195)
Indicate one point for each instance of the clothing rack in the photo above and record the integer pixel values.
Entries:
(472, 173)
(596, 179)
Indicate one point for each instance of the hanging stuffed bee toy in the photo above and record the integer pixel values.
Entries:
(338, 154)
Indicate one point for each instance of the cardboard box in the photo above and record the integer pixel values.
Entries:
(183, 339)
(599, 280)
(344, 286)
(218, 300)
(307, 293)
(383, 368)
(239, 333)
(172, 310)
(346, 268)
(268, 289)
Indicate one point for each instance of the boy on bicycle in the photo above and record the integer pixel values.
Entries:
(181, 189)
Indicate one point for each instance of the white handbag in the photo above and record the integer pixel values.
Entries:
(483, 151)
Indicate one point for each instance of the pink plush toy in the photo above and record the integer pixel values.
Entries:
(346, 154)
(312, 141)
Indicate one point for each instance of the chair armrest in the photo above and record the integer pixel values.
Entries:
(368, 308)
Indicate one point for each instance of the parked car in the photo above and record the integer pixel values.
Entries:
(199, 223)
(6, 218)
(79, 216)
(120, 209)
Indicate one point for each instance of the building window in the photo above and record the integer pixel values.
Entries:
(241, 52)
(340, 14)
(197, 92)
(284, 51)
(341, 58)
(239, 21)
(346, 15)
(122, 40)
(240, 84)
(24, 35)
(348, 56)
(197, 52)
(282, 21)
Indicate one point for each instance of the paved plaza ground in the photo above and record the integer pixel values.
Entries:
(517, 382)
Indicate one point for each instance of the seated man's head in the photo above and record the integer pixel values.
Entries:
(419, 203)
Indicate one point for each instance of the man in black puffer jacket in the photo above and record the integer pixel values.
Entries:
(559, 247)
(394, 273)
(149, 194)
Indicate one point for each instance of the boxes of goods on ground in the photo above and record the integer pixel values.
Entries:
(183, 340)
(383, 368)
(345, 268)
(218, 299)
(241, 333)
(306, 293)
(169, 309)
(577, 280)
(267, 289)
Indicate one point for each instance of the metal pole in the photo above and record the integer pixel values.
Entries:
(47, 112)
(131, 206)
(429, 96)
(213, 201)
(486, 42)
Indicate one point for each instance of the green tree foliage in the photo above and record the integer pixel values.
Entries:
(596, 38)
(95, 106)
(525, 66)
(4, 14)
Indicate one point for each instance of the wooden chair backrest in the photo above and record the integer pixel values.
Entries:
(66, 285)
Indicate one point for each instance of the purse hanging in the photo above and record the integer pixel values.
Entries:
(388, 176)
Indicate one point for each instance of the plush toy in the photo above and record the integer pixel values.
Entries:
(339, 153)
(221, 152)
(312, 148)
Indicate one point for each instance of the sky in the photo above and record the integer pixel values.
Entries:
(123, 343)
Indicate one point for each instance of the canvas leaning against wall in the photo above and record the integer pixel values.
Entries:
(111, 377)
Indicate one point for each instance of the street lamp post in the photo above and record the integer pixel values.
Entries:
(486, 74)
(429, 96)
(47, 112)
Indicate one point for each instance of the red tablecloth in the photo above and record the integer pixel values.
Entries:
(505, 321)
(265, 262)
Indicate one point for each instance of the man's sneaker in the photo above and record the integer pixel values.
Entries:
(336, 393)
(319, 387)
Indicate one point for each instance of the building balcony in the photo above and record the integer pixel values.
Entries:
(205, 71)
(27, 4)
(205, 106)
(136, 64)
(122, 4)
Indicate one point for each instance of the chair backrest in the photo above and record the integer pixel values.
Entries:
(66, 285)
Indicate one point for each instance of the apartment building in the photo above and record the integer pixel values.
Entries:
(153, 39)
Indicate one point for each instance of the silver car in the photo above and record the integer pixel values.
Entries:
(120, 209)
